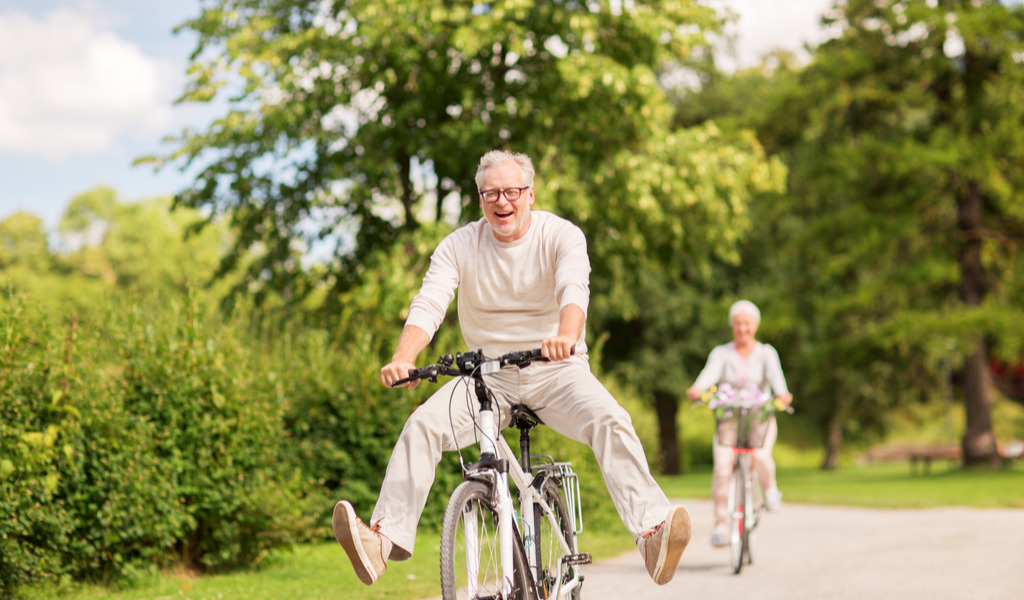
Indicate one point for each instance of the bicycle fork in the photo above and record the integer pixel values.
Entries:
(503, 502)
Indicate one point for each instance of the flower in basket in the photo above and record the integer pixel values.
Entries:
(724, 399)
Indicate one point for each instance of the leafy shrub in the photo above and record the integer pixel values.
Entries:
(345, 423)
(35, 417)
(144, 438)
(216, 432)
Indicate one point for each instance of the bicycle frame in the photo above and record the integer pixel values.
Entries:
(497, 465)
(489, 478)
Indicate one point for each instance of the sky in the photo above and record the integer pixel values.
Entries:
(88, 86)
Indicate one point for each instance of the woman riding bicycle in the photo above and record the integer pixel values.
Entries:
(741, 363)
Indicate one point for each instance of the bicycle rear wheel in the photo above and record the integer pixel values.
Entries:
(470, 552)
(548, 550)
(738, 503)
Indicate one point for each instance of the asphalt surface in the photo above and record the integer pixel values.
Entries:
(831, 552)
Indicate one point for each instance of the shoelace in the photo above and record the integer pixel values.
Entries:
(647, 534)
(651, 531)
(375, 528)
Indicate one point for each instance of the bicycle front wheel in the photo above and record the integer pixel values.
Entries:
(470, 551)
(738, 503)
(548, 549)
(755, 510)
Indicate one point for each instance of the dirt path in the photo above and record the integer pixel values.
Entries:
(829, 552)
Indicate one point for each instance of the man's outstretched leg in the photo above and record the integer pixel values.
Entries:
(365, 546)
(662, 546)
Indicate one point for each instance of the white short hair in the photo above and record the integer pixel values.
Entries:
(745, 307)
(498, 157)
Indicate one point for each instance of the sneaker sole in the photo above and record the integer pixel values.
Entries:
(346, 531)
(677, 534)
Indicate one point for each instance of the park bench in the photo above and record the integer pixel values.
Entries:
(920, 456)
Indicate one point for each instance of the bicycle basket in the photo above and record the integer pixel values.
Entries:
(743, 428)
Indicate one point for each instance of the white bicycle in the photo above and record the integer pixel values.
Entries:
(742, 419)
(488, 550)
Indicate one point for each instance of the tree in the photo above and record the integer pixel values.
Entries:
(23, 243)
(139, 246)
(660, 250)
(352, 121)
(900, 226)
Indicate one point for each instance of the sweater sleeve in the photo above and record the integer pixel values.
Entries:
(572, 278)
(429, 306)
(773, 371)
(713, 372)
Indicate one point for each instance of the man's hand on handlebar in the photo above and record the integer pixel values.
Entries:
(558, 347)
(395, 370)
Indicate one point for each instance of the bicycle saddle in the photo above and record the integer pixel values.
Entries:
(524, 418)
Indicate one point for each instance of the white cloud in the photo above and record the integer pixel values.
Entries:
(70, 87)
(766, 25)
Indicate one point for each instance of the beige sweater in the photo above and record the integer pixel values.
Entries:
(510, 293)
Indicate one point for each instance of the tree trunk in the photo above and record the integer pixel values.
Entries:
(834, 442)
(979, 441)
(667, 407)
(408, 193)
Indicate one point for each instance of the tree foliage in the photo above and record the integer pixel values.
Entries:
(353, 121)
(897, 237)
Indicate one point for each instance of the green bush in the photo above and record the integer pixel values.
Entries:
(345, 423)
(35, 417)
(216, 431)
(145, 438)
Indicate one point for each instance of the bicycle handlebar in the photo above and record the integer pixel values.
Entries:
(467, 363)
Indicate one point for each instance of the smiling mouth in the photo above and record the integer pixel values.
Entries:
(503, 215)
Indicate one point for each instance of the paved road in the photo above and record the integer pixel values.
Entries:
(839, 553)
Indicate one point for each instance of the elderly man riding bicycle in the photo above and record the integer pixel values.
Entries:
(523, 282)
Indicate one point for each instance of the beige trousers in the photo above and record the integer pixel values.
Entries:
(764, 465)
(566, 396)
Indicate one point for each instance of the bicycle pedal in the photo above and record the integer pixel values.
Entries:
(582, 558)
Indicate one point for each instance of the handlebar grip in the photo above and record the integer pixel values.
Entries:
(414, 374)
(536, 353)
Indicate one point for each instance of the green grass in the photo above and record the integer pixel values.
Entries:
(310, 572)
(321, 571)
(882, 486)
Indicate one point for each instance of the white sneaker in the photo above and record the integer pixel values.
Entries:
(662, 546)
(365, 546)
(720, 536)
(773, 500)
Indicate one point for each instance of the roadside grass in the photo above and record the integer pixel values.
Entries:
(308, 572)
(321, 571)
(893, 485)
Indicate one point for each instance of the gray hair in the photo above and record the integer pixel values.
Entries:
(498, 157)
(745, 307)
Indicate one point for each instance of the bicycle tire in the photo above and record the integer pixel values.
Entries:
(756, 512)
(748, 512)
(471, 505)
(547, 550)
(737, 514)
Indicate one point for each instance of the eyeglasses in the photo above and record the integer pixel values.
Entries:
(511, 194)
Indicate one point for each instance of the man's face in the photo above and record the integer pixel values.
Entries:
(508, 219)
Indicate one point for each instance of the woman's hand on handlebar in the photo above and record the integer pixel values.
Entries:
(558, 347)
(395, 370)
(693, 393)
